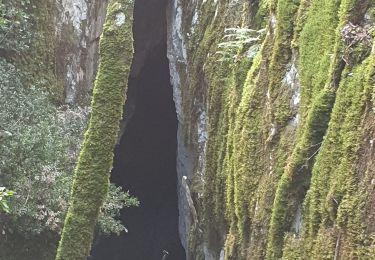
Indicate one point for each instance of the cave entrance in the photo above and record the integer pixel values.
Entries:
(145, 159)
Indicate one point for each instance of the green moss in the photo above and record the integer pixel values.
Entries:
(325, 245)
(334, 199)
(316, 46)
(41, 57)
(302, 15)
(322, 208)
(212, 31)
(240, 160)
(319, 82)
(281, 56)
(254, 149)
(292, 248)
(259, 11)
(245, 171)
(250, 185)
(95, 161)
(248, 181)
(223, 93)
(221, 83)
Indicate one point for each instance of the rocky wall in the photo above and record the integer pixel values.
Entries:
(275, 106)
(79, 25)
(63, 56)
(274, 127)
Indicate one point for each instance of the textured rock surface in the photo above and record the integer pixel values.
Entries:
(177, 64)
(259, 134)
(79, 24)
(92, 172)
(275, 105)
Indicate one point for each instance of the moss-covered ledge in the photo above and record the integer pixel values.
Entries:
(95, 161)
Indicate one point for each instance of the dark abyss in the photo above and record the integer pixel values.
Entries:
(145, 159)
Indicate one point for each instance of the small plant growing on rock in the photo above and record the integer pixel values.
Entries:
(237, 38)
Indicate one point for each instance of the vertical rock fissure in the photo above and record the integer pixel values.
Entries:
(145, 158)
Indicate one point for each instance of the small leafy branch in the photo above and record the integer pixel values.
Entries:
(237, 38)
(4, 195)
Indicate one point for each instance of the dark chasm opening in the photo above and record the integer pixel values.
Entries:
(145, 159)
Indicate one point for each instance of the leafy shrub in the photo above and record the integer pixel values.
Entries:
(15, 31)
(4, 195)
(39, 144)
(31, 154)
(116, 200)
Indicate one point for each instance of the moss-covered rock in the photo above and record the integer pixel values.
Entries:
(91, 179)
(269, 121)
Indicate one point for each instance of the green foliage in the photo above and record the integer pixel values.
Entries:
(116, 200)
(4, 196)
(32, 163)
(26, 39)
(15, 26)
(32, 154)
(39, 145)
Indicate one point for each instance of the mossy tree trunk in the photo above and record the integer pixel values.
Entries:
(91, 179)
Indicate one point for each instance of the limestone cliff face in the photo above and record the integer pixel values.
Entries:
(275, 132)
(275, 105)
(65, 51)
(79, 24)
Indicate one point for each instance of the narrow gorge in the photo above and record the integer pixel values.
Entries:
(145, 158)
(247, 130)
